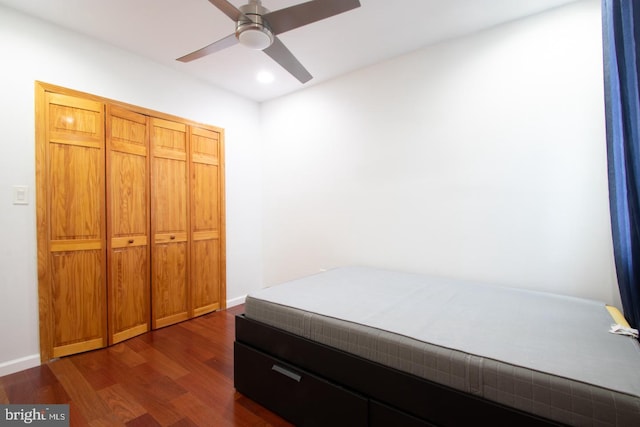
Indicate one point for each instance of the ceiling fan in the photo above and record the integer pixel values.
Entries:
(258, 28)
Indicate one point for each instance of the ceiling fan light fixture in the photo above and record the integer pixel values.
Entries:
(254, 36)
(252, 31)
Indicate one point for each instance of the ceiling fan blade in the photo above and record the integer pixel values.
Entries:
(228, 9)
(226, 42)
(305, 13)
(279, 53)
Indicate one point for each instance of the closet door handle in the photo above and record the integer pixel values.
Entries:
(286, 373)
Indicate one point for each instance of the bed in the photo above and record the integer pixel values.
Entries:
(359, 346)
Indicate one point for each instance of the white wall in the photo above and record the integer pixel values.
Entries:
(483, 158)
(33, 50)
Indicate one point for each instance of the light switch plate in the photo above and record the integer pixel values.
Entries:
(20, 194)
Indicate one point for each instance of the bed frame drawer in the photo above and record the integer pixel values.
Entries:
(302, 398)
(381, 415)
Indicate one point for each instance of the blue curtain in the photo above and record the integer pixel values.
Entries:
(621, 35)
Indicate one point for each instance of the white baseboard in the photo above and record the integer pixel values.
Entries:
(16, 365)
(236, 301)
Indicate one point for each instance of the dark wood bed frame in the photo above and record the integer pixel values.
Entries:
(311, 384)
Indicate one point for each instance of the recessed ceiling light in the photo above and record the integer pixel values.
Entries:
(265, 77)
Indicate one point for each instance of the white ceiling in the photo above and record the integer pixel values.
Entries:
(164, 30)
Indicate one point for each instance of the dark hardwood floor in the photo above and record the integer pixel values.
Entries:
(181, 375)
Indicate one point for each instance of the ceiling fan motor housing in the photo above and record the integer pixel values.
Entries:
(254, 33)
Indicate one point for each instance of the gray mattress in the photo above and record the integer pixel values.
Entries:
(546, 354)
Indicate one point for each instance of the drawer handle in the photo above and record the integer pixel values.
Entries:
(130, 240)
(286, 373)
(172, 237)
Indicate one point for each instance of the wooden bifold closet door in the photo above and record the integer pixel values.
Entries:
(130, 220)
(127, 223)
(71, 225)
(207, 205)
(170, 222)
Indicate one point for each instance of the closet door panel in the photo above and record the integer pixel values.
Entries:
(78, 301)
(75, 121)
(129, 293)
(129, 195)
(169, 285)
(75, 211)
(128, 224)
(170, 204)
(170, 223)
(205, 271)
(206, 215)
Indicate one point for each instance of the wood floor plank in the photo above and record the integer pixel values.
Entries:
(144, 420)
(97, 368)
(38, 384)
(92, 407)
(220, 399)
(199, 413)
(185, 422)
(18, 387)
(123, 353)
(99, 422)
(49, 389)
(76, 418)
(189, 356)
(161, 363)
(122, 403)
(4, 399)
(188, 343)
(224, 366)
(150, 389)
(177, 376)
(138, 345)
(164, 413)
